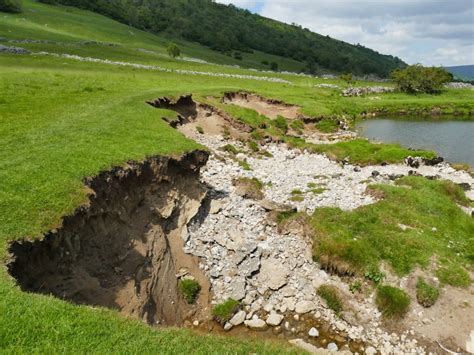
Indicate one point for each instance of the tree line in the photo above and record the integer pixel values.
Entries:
(227, 29)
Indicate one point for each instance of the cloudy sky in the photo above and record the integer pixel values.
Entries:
(431, 32)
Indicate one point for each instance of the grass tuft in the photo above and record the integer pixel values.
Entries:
(224, 311)
(331, 295)
(426, 294)
(190, 289)
(454, 275)
(392, 301)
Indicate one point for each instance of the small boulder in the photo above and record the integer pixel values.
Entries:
(238, 318)
(274, 319)
(255, 323)
(305, 307)
(313, 333)
(370, 350)
(332, 347)
(375, 173)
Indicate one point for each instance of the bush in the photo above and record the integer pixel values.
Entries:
(392, 301)
(13, 6)
(223, 312)
(347, 78)
(190, 289)
(331, 295)
(274, 66)
(253, 146)
(173, 50)
(420, 79)
(426, 294)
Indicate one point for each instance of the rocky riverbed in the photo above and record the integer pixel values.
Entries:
(271, 271)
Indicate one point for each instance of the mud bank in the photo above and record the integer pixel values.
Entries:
(124, 249)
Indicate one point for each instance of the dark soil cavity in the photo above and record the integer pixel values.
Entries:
(125, 249)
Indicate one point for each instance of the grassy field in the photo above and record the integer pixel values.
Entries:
(62, 120)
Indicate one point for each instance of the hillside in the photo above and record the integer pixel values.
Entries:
(214, 25)
(463, 72)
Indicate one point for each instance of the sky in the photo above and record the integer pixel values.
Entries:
(431, 32)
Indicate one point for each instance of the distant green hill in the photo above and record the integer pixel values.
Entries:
(236, 32)
(463, 72)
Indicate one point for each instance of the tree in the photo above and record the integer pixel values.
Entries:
(419, 79)
(274, 66)
(173, 50)
(13, 6)
(347, 78)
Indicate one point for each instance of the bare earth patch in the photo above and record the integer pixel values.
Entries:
(269, 108)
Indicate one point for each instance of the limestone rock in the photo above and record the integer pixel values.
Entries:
(305, 307)
(313, 333)
(274, 319)
(255, 323)
(238, 318)
(273, 273)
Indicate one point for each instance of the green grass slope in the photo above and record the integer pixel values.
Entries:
(62, 120)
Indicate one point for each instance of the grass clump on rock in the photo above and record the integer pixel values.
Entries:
(229, 148)
(426, 294)
(200, 130)
(224, 311)
(251, 188)
(392, 301)
(331, 295)
(190, 289)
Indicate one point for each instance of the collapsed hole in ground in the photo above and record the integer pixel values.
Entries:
(125, 249)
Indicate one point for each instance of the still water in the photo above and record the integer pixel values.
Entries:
(453, 140)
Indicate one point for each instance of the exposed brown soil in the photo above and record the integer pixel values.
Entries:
(193, 115)
(124, 250)
(449, 321)
(267, 107)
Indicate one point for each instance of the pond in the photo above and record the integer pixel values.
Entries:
(451, 139)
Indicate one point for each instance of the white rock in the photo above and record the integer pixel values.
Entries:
(305, 307)
(370, 350)
(255, 323)
(273, 273)
(274, 319)
(228, 326)
(332, 347)
(238, 318)
(310, 348)
(313, 332)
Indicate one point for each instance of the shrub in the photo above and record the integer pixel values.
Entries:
(454, 275)
(238, 56)
(274, 66)
(173, 50)
(392, 301)
(347, 78)
(331, 295)
(224, 311)
(426, 294)
(13, 6)
(190, 289)
(420, 79)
